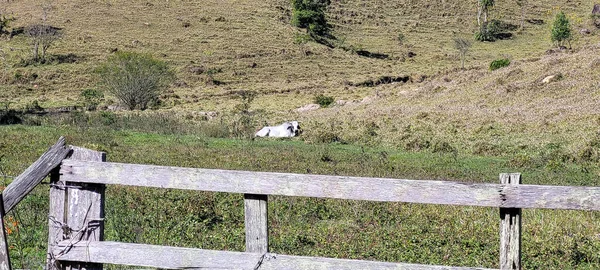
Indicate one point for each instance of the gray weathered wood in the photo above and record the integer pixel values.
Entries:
(82, 210)
(56, 217)
(340, 187)
(4, 257)
(32, 176)
(510, 229)
(187, 258)
(256, 223)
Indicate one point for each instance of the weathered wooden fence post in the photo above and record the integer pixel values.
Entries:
(256, 223)
(4, 258)
(76, 211)
(510, 229)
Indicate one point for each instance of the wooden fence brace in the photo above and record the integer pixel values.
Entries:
(510, 229)
(34, 174)
(76, 211)
(4, 257)
(256, 223)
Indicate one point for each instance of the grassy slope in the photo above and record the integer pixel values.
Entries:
(428, 234)
(452, 107)
(234, 35)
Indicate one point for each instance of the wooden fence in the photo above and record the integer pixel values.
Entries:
(76, 219)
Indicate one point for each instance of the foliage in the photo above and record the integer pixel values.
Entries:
(323, 100)
(401, 37)
(499, 63)
(561, 30)
(310, 14)
(91, 98)
(135, 79)
(487, 3)
(488, 31)
(5, 21)
(301, 38)
(463, 46)
(9, 116)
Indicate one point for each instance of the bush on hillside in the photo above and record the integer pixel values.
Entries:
(91, 98)
(323, 100)
(135, 79)
(5, 21)
(488, 31)
(499, 63)
(310, 14)
(561, 30)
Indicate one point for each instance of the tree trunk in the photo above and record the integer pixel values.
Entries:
(523, 15)
(36, 46)
(485, 14)
(479, 10)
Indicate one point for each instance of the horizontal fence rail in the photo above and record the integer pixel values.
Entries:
(189, 258)
(337, 187)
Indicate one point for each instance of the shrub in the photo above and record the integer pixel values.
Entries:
(135, 79)
(9, 116)
(401, 38)
(323, 100)
(499, 63)
(561, 30)
(5, 21)
(91, 98)
(488, 31)
(310, 14)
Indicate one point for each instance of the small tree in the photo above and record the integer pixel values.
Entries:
(135, 79)
(42, 37)
(561, 30)
(243, 123)
(522, 4)
(483, 9)
(463, 46)
(310, 14)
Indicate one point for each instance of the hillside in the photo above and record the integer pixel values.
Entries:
(250, 45)
(253, 45)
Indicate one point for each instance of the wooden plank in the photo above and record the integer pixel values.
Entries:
(188, 258)
(256, 223)
(510, 229)
(32, 176)
(83, 209)
(338, 187)
(56, 217)
(4, 256)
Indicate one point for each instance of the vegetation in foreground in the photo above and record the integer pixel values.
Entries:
(428, 234)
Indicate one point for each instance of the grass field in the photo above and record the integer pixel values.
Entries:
(443, 124)
(461, 236)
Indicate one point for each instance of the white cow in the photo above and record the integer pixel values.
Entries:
(287, 129)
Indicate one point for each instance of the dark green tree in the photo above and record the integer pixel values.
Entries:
(561, 30)
(310, 14)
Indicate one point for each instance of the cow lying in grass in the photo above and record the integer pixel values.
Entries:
(287, 129)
